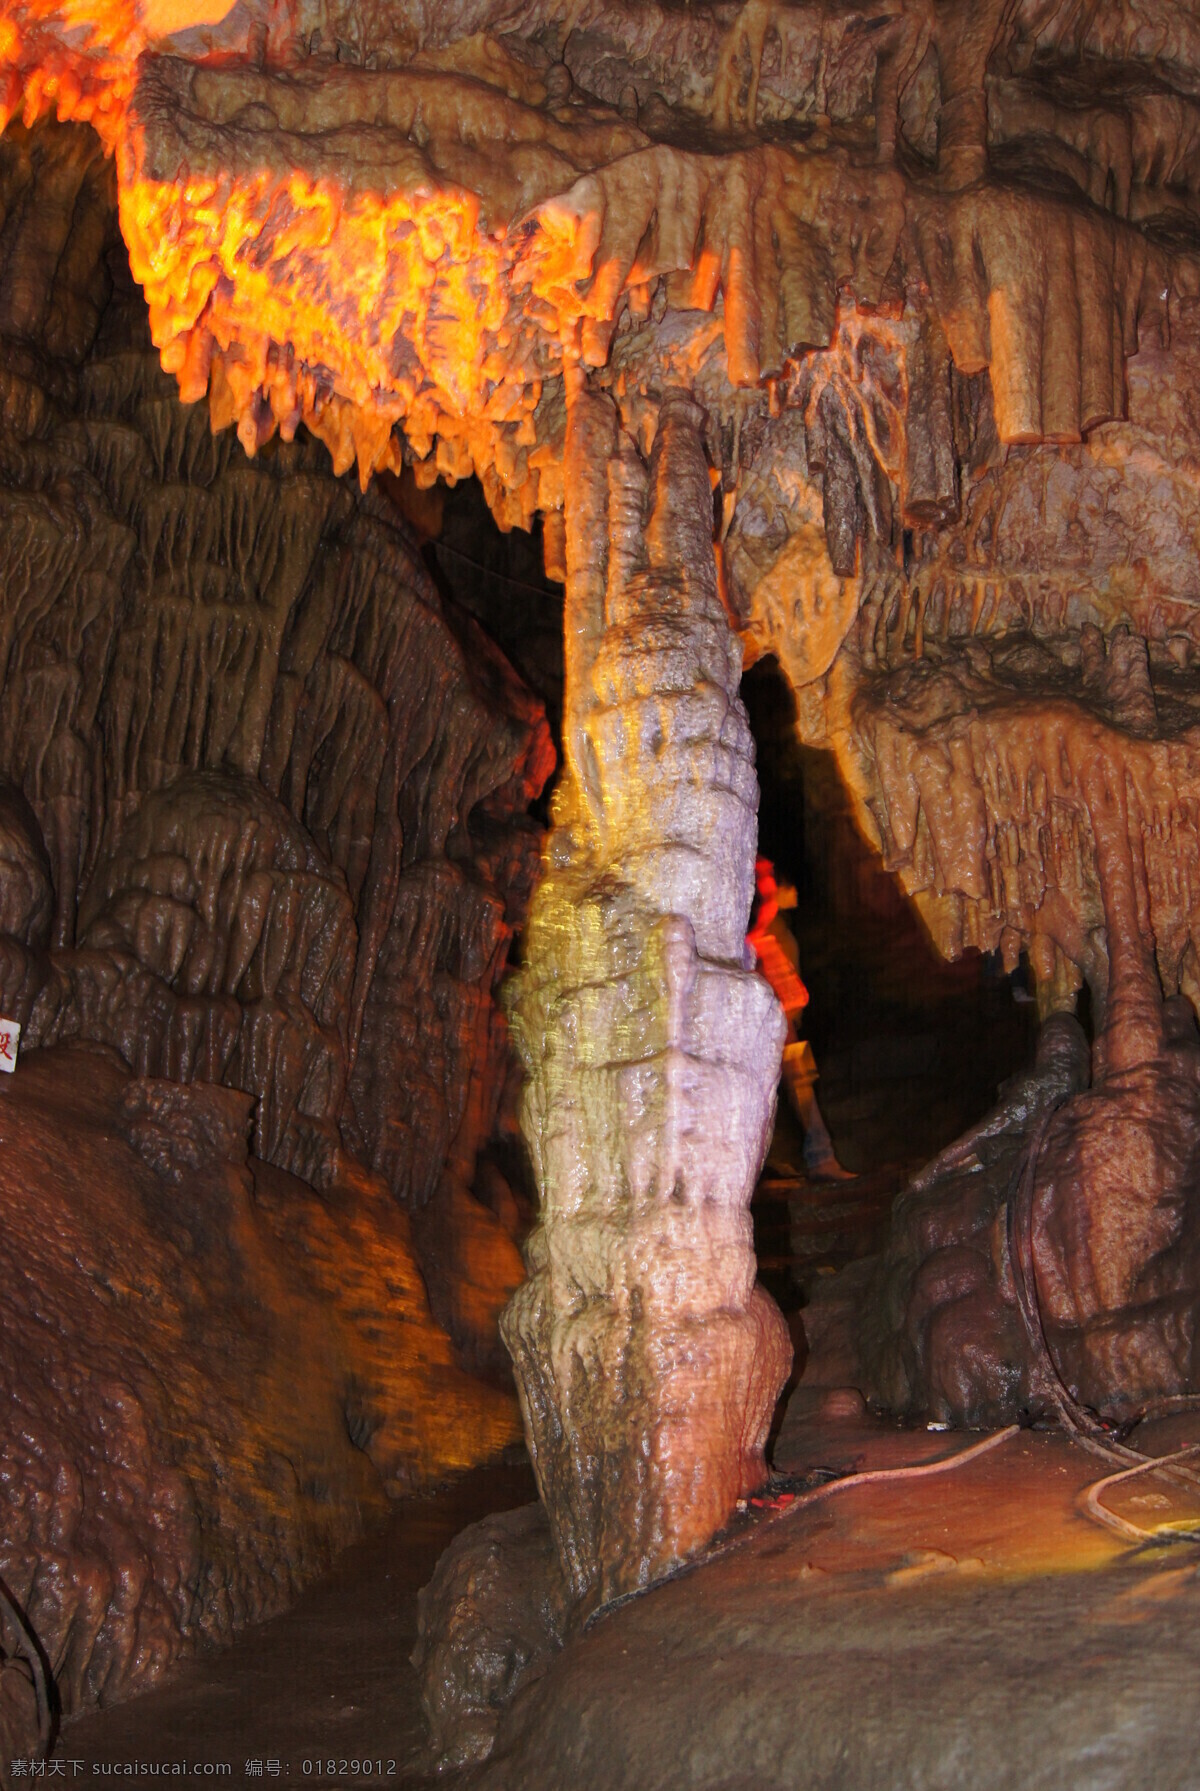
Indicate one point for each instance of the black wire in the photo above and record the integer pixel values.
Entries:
(31, 1649)
(518, 584)
(1084, 1423)
(1076, 1416)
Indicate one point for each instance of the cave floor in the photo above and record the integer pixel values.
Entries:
(972, 1628)
(328, 1680)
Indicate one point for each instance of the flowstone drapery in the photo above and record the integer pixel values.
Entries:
(648, 1361)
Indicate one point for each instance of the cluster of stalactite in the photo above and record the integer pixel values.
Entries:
(984, 805)
(281, 796)
(263, 847)
(1013, 703)
(329, 242)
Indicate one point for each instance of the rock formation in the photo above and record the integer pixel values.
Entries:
(895, 304)
(490, 1620)
(263, 846)
(648, 1361)
(1016, 719)
(281, 790)
(213, 1375)
(1097, 1248)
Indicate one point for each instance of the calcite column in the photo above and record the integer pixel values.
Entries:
(647, 1359)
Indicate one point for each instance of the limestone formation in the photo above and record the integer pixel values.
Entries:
(314, 144)
(262, 851)
(1016, 719)
(870, 331)
(648, 1361)
(212, 1374)
(281, 790)
(1102, 891)
(491, 1619)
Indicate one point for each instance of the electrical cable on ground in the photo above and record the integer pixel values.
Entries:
(503, 578)
(916, 1471)
(1095, 1506)
(802, 1502)
(1083, 1424)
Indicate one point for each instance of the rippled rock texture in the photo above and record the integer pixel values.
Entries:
(1016, 717)
(1057, 1249)
(213, 1374)
(649, 1362)
(263, 847)
(279, 788)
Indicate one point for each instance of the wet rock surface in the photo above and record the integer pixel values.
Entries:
(490, 1622)
(969, 1625)
(933, 302)
(216, 1372)
(279, 784)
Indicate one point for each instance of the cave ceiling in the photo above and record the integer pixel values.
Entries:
(398, 224)
(930, 269)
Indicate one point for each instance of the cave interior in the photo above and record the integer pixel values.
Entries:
(479, 482)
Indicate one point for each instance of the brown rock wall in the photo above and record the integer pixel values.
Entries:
(281, 792)
(211, 1373)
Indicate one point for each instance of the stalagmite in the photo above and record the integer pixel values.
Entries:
(648, 1360)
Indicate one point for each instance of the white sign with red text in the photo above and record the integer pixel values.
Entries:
(10, 1035)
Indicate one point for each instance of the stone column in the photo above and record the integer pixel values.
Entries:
(647, 1359)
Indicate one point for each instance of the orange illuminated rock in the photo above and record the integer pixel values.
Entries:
(163, 18)
(220, 680)
(342, 252)
(336, 242)
(183, 1322)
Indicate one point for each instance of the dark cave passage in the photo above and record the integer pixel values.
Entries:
(910, 1048)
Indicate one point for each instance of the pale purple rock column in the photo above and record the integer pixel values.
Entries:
(648, 1360)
